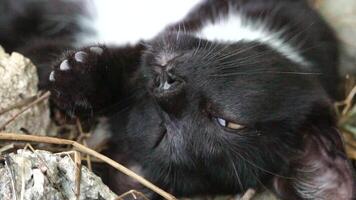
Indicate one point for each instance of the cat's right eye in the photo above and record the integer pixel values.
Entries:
(228, 124)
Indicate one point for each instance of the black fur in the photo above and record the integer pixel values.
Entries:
(173, 135)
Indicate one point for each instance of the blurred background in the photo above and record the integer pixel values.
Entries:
(341, 15)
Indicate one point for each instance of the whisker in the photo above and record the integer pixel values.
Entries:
(211, 49)
(267, 72)
(237, 175)
(197, 49)
(178, 32)
(245, 60)
(237, 52)
(254, 165)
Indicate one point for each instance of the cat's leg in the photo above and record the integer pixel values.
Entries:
(96, 79)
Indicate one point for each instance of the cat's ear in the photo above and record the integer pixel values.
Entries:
(320, 171)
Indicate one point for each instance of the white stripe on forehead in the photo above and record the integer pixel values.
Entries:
(236, 28)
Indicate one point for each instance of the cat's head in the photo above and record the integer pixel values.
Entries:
(233, 114)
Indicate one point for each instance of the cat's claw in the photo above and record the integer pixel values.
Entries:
(64, 66)
(80, 56)
(51, 76)
(97, 50)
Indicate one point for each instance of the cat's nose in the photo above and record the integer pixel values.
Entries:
(167, 84)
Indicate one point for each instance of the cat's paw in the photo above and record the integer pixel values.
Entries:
(75, 81)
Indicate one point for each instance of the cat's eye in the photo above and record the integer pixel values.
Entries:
(227, 124)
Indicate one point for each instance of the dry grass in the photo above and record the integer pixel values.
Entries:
(346, 112)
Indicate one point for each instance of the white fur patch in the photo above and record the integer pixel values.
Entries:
(101, 133)
(236, 28)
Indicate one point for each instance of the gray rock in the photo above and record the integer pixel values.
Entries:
(18, 82)
(41, 175)
(341, 15)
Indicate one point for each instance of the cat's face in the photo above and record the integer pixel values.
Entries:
(235, 107)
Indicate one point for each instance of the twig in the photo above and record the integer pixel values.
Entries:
(23, 181)
(78, 172)
(346, 104)
(19, 104)
(134, 194)
(6, 147)
(12, 178)
(46, 148)
(29, 146)
(88, 158)
(248, 194)
(44, 166)
(83, 137)
(86, 150)
(350, 152)
(78, 158)
(349, 139)
(38, 100)
(350, 144)
(348, 101)
(350, 83)
(53, 149)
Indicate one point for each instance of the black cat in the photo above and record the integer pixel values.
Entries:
(236, 95)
